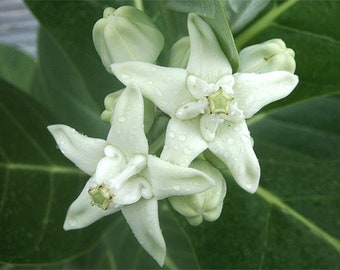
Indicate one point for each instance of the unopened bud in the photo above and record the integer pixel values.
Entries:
(272, 55)
(206, 205)
(126, 34)
(179, 53)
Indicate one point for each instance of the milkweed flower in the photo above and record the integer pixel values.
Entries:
(123, 176)
(208, 104)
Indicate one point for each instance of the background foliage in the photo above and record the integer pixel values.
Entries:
(291, 222)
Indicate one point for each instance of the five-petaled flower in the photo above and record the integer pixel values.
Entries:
(124, 177)
(208, 104)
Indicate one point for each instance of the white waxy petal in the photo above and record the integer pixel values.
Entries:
(207, 60)
(143, 219)
(200, 88)
(110, 165)
(209, 124)
(254, 91)
(127, 130)
(192, 109)
(83, 151)
(233, 145)
(183, 141)
(169, 180)
(166, 87)
(131, 191)
(81, 213)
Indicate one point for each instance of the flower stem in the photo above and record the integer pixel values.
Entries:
(263, 23)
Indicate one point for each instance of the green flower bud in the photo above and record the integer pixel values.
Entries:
(179, 53)
(272, 55)
(206, 205)
(126, 34)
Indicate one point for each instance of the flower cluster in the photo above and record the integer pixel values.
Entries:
(208, 106)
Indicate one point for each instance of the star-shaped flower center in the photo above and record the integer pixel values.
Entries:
(101, 196)
(219, 102)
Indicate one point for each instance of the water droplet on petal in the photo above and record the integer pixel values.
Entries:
(245, 138)
(187, 150)
(230, 141)
(121, 119)
(168, 79)
(181, 138)
(177, 188)
(62, 143)
(153, 69)
(150, 83)
(172, 134)
(158, 92)
(72, 222)
(125, 76)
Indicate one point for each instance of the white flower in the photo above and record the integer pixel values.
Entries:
(123, 176)
(208, 104)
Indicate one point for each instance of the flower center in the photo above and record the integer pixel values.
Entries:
(219, 102)
(101, 196)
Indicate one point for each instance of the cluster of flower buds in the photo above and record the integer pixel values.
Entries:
(207, 105)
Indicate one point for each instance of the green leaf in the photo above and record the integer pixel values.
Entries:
(305, 26)
(37, 185)
(60, 87)
(70, 24)
(213, 13)
(293, 219)
(18, 68)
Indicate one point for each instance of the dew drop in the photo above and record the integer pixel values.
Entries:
(62, 143)
(150, 83)
(230, 141)
(72, 222)
(121, 119)
(158, 92)
(168, 79)
(153, 69)
(245, 138)
(177, 188)
(187, 150)
(172, 134)
(181, 138)
(125, 76)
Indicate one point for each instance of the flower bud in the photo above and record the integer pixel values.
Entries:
(179, 53)
(126, 34)
(272, 55)
(206, 205)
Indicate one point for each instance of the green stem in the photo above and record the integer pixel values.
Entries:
(263, 23)
(139, 4)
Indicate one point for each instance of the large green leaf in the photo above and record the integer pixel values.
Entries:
(37, 185)
(70, 24)
(60, 87)
(293, 219)
(18, 68)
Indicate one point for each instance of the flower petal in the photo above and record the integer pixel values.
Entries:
(169, 180)
(81, 213)
(207, 60)
(166, 87)
(233, 145)
(253, 91)
(127, 130)
(142, 217)
(183, 141)
(83, 151)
